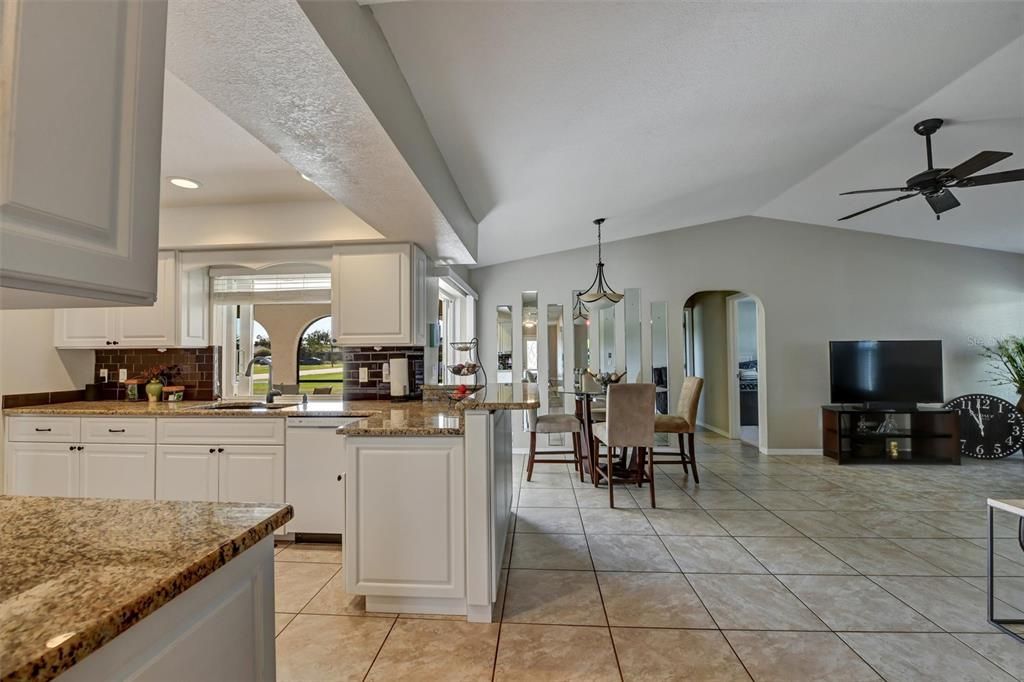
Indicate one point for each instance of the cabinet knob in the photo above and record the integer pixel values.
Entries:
(213, 450)
(109, 342)
(220, 449)
(81, 447)
(116, 342)
(339, 477)
(71, 447)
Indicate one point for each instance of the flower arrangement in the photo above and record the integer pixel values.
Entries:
(165, 374)
(1006, 357)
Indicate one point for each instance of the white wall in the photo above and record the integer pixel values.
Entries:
(271, 224)
(816, 283)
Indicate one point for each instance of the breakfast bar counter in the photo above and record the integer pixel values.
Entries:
(428, 505)
(112, 589)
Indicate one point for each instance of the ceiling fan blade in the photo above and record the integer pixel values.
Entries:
(978, 162)
(884, 203)
(992, 178)
(869, 191)
(942, 202)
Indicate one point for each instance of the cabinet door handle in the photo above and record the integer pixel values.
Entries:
(339, 477)
(43, 430)
(220, 449)
(115, 430)
(213, 450)
(81, 447)
(109, 342)
(71, 448)
(116, 342)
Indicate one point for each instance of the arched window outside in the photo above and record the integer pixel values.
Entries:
(318, 361)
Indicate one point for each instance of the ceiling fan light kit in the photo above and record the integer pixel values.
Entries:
(934, 184)
(599, 294)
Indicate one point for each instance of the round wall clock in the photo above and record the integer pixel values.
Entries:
(990, 427)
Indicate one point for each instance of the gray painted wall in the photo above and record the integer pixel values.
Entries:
(711, 357)
(816, 283)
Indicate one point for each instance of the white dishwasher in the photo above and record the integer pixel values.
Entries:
(314, 480)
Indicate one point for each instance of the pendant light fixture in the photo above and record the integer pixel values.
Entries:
(599, 294)
(580, 312)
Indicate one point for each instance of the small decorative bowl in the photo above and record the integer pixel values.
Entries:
(464, 370)
(463, 346)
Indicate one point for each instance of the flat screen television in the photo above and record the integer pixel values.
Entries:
(886, 372)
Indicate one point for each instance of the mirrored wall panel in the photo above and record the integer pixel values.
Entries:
(606, 339)
(504, 345)
(556, 366)
(633, 335)
(531, 350)
(580, 340)
(659, 353)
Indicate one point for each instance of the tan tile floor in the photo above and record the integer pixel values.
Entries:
(773, 568)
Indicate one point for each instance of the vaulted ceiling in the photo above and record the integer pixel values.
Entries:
(663, 115)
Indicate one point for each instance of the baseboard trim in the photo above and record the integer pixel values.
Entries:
(792, 451)
(714, 429)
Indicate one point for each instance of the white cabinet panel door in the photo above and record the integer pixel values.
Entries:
(44, 429)
(315, 487)
(85, 328)
(186, 472)
(252, 473)
(194, 307)
(118, 471)
(371, 295)
(220, 430)
(405, 517)
(43, 469)
(153, 326)
(80, 147)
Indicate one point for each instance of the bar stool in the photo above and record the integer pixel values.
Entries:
(554, 423)
(630, 424)
(684, 423)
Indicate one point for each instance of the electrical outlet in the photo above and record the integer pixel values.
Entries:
(386, 372)
(364, 374)
(103, 375)
(122, 375)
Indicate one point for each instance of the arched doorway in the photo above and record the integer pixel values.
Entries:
(724, 343)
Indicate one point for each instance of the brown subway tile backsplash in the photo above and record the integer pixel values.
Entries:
(199, 367)
(374, 358)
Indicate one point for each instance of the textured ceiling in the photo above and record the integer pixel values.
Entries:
(662, 115)
(202, 143)
(263, 64)
(983, 109)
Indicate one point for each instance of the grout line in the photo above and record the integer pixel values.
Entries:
(380, 648)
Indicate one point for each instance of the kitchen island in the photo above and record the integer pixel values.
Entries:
(429, 503)
(94, 589)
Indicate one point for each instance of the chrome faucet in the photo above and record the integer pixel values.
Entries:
(271, 391)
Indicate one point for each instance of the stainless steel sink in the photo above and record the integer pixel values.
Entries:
(244, 406)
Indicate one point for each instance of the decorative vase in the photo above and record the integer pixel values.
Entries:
(153, 390)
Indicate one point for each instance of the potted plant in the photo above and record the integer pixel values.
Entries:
(1007, 364)
(158, 376)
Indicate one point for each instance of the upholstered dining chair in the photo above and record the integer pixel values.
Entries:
(630, 424)
(683, 423)
(554, 423)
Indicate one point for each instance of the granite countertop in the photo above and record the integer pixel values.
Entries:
(194, 408)
(74, 574)
(442, 417)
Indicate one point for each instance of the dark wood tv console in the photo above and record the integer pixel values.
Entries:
(851, 434)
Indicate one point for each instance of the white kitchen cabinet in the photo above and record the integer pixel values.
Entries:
(187, 472)
(178, 318)
(50, 469)
(117, 471)
(80, 136)
(251, 473)
(315, 482)
(378, 295)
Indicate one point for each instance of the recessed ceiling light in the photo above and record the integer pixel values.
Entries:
(184, 183)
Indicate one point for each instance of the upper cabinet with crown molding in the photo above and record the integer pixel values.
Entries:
(81, 108)
(380, 295)
(180, 317)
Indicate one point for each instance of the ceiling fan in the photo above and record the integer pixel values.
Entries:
(934, 184)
